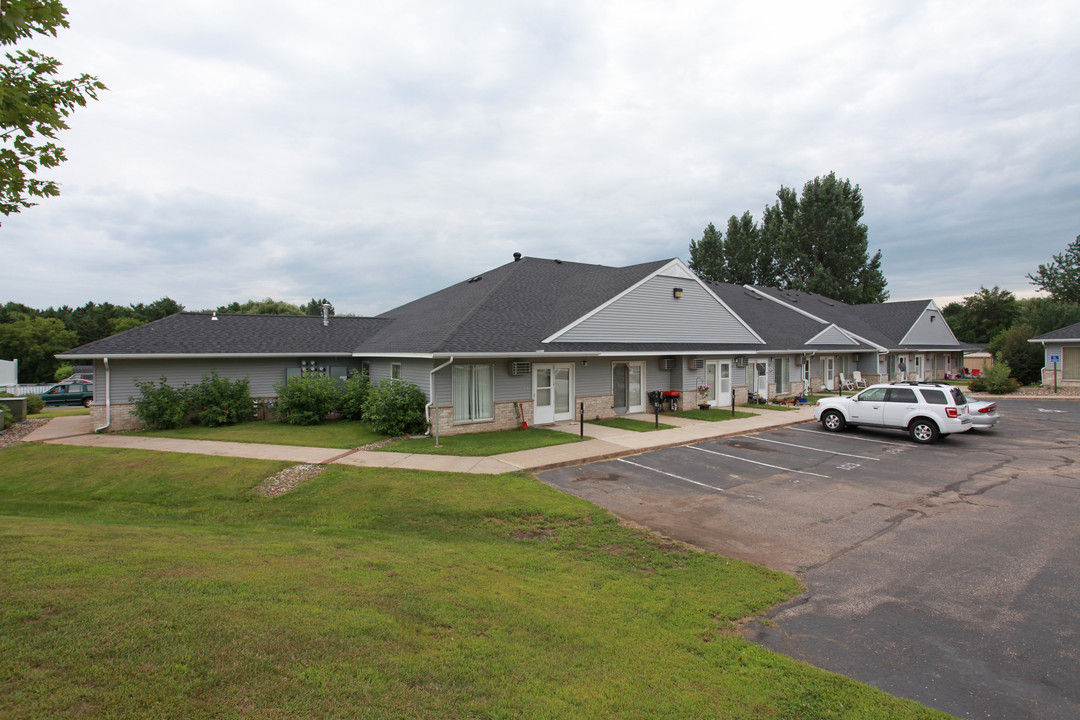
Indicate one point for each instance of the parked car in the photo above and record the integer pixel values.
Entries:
(70, 392)
(983, 413)
(927, 411)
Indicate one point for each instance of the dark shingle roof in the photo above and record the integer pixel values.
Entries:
(508, 309)
(1069, 332)
(199, 334)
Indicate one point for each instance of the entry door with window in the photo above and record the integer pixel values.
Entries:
(718, 378)
(628, 387)
(761, 379)
(919, 367)
(828, 372)
(552, 393)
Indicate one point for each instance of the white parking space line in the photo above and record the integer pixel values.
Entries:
(755, 462)
(807, 447)
(848, 436)
(677, 477)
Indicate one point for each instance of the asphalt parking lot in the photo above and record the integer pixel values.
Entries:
(947, 573)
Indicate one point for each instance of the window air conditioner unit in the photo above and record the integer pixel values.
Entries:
(520, 368)
(740, 362)
(667, 363)
(695, 363)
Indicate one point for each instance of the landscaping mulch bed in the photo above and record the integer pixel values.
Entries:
(14, 434)
(288, 479)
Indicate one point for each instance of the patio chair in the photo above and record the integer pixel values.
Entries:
(846, 384)
(856, 377)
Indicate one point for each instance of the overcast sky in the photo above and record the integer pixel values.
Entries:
(372, 153)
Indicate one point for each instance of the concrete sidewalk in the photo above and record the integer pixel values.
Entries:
(606, 443)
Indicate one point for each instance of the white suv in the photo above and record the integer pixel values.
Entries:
(926, 410)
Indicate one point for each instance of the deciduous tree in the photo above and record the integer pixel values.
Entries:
(1061, 278)
(34, 103)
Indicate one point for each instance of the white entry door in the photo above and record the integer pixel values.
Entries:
(628, 387)
(828, 372)
(553, 393)
(761, 378)
(718, 378)
(919, 368)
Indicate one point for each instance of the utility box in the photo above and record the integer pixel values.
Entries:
(16, 406)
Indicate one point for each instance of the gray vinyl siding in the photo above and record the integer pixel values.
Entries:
(832, 336)
(930, 329)
(262, 373)
(508, 388)
(651, 313)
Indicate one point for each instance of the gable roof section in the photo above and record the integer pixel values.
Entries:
(509, 309)
(1069, 333)
(827, 311)
(190, 334)
(649, 311)
(832, 335)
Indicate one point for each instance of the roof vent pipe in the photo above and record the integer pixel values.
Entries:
(214, 316)
(517, 256)
(325, 314)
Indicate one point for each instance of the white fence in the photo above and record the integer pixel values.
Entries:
(20, 390)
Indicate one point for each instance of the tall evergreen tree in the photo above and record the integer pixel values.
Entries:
(743, 256)
(707, 255)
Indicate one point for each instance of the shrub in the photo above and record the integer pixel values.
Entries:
(396, 407)
(220, 400)
(999, 380)
(34, 404)
(160, 408)
(355, 396)
(63, 372)
(308, 399)
(1025, 359)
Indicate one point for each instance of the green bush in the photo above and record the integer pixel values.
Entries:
(34, 404)
(355, 396)
(308, 399)
(220, 401)
(160, 408)
(999, 380)
(63, 372)
(396, 407)
(978, 384)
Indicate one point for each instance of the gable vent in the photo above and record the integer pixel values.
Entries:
(520, 367)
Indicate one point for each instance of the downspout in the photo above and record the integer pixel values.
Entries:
(431, 401)
(108, 398)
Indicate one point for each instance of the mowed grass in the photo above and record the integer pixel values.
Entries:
(59, 412)
(712, 414)
(630, 424)
(485, 444)
(343, 434)
(137, 584)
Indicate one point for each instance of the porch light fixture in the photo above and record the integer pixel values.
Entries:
(677, 293)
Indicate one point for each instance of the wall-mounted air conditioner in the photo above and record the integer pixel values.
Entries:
(695, 363)
(740, 361)
(667, 363)
(520, 368)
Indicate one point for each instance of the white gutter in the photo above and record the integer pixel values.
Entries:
(431, 400)
(108, 398)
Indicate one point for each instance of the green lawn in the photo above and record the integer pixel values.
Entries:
(341, 434)
(483, 444)
(712, 414)
(770, 406)
(136, 584)
(630, 424)
(59, 412)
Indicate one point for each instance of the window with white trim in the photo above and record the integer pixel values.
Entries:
(474, 392)
(1070, 363)
(395, 371)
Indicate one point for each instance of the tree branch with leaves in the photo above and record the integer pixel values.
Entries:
(34, 103)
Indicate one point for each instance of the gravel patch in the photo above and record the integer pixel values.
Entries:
(378, 443)
(14, 434)
(288, 479)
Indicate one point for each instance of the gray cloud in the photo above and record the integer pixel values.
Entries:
(372, 154)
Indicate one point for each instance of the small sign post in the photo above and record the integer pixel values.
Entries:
(1055, 359)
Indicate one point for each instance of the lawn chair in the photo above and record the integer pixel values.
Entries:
(846, 384)
(856, 377)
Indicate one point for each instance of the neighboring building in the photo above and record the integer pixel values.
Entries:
(549, 338)
(978, 362)
(1064, 345)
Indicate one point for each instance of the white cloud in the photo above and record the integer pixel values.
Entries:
(373, 153)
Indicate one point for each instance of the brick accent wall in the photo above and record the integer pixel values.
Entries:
(506, 418)
(123, 417)
(596, 406)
